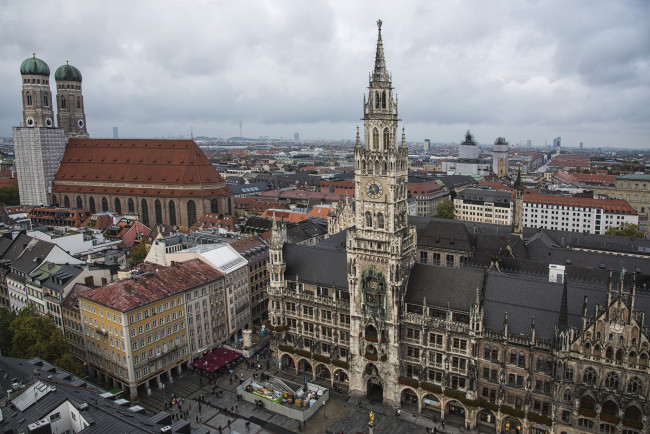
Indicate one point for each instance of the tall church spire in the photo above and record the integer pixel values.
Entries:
(380, 73)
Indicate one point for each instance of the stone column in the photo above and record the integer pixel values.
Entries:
(158, 382)
(133, 392)
(179, 368)
(147, 387)
(169, 375)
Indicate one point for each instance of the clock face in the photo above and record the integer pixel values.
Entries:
(80, 122)
(48, 122)
(30, 122)
(374, 189)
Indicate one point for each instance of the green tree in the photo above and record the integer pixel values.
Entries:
(7, 316)
(9, 195)
(626, 230)
(34, 335)
(445, 210)
(138, 252)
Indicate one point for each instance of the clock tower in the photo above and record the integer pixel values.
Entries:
(380, 245)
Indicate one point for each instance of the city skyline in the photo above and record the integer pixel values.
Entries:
(158, 69)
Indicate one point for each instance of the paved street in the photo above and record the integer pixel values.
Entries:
(339, 415)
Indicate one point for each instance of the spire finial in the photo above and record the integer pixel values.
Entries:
(34, 54)
(380, 63)
(379, 24)
(358, 143)
(67, 61)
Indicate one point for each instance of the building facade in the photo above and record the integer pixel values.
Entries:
(483, 342)
(483, 206)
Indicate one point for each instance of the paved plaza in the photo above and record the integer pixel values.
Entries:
(340, 414)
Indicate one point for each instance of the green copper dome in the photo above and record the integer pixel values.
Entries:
(67, 73)
(34, 66)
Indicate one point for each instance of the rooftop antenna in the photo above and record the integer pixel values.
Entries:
(192, 133)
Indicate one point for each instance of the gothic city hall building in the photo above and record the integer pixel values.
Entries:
(491, 330)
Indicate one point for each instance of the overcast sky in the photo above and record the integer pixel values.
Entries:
(518, 69)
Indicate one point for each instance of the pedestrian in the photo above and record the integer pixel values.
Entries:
(220, 431)
(236, 407)
(232, 409)
(435, 430)
(197, 418)
(228, 423)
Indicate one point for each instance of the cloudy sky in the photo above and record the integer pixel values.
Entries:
(523, 70)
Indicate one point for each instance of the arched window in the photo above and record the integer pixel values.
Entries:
(540, 363)
(383, 99)
(635, 386)
(80, 203)
(522, 360)
(104, 204)
(375, 139)
(172, 213)
(513, 357)
(386, 138)
(214, 206)
(609, 353)
(589, 377)
(229, 207)
(611, 381)
(46, 100)
(587, 402)
(385, 168)
(368, 219)
(363, 164)
(380, 221)
(633, 413)
(29, 98)
(191, 213)
(144, 210)
(66, 201)
(610, 408)
(158, 209)
(118, 205)
(486, 352)
(78, 102)
(568, 373)
(91, 205)
(567, 396)
(63, 103)
(619, 354)
(130, 205)
(376, 99)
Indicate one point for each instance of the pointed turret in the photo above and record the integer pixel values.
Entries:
(380, 73)
(358, 142)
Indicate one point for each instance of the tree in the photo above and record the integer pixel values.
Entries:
(445, 210)
(138, 252)
(626, 230)
(33, 335)
(6, 318)
(9, 195)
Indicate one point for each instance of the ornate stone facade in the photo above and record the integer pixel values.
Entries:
(483, 347)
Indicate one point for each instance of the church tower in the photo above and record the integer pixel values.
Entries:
(69, 102)
(37, 98)
(380, 245)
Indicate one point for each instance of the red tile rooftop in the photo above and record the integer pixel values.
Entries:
(152, 283)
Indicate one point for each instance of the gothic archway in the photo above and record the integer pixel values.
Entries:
(304, 366)
(431, 406)
(409, 400)
(375, 390)
(487, 420)
(287, 362)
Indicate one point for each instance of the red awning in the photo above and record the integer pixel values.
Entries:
(216, 359)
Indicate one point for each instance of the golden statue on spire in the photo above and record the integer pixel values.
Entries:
(379, 24)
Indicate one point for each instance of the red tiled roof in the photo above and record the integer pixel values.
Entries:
(319, 211)
(154, 283)
(423, 187)
(288, 216)
(611, 206)
(252, 204)
(211, 220)
(169, 163)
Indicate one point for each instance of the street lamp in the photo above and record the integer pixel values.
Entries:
(164, 395)
(324, 417)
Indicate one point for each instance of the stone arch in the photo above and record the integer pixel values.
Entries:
(130, 205)
(590, 376)
(91, 205)
(323, 371)
(371, 370)
(486, 418)
(635, 385)
(118, 205)
(66, 201)
(214, 206)
(341, 376)
(375, 389)
(609, 408)
(104, 204)
(80, 202)
(304, 365)
(612, 380)
(512, 425)
(409, 400)
(455, 408)
(370, 331)
(633, 413)
(287, 361)
(431, 404)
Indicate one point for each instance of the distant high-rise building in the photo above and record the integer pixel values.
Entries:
(39, 145)
(427, 145)
(581, 145)
(529, 143)
(115, 134)
(500, 157)
(296, 137)
(557, 143)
